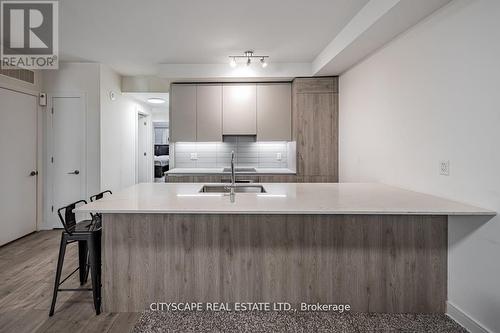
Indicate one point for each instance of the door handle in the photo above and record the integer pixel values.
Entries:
(33, 173)
(76, 172)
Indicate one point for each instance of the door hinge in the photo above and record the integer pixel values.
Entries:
(52, 208)
(52, 110)
(52, 159)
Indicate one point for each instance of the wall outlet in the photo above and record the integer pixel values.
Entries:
(194, 156)
(444, 168)
(278, 156)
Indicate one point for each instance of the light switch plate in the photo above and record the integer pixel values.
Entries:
(194, 156)
(278, 156)
(444, 168)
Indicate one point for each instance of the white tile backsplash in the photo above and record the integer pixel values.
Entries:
(218, 154)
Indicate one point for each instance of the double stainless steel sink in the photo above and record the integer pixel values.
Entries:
(243, 188)
(233, 187)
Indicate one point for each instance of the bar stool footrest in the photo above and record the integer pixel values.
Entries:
(75, 289)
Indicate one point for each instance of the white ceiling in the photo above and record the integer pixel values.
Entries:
(143, 98)
(133, 36)
(192, 39)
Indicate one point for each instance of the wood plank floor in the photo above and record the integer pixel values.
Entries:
(27, 271)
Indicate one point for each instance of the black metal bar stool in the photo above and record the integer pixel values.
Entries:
(99, 195)
(89, 254)
(97, 217)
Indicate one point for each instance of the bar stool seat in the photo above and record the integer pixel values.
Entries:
(89, 254)
(82, 226)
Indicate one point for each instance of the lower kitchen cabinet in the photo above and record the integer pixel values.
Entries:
(278, 179)
(179, 179)
(242, 179)
(194, 179)
(317, 179)
(252, 179)
(297, 179)
(212, 179)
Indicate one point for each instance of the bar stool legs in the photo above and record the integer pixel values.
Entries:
(89, 254)
(60, 262)
(95, 263)
(83, 261)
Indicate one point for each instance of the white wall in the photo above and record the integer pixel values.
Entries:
(78, 78)
(160, 114)
(431, 95)
(111, 125)
(118, 133)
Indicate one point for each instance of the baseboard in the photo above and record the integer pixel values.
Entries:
(44, 227)
(14, 240)
(464, 319)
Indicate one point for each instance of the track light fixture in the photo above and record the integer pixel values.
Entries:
(248, 55)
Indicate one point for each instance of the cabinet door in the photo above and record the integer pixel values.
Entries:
(183, 113)
(179, 179)
(239, 109)
(274, 112)
(209, 113)
(315, 122)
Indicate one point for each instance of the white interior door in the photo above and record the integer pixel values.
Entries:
(68, 153)
(18, 140)
(143, 149)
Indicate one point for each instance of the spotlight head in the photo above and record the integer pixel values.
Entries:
(263, 62)
(232, 63)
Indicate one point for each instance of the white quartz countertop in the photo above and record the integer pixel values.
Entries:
(219, 171)
(281, 198)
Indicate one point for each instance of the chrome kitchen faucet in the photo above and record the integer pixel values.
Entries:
(233, 178)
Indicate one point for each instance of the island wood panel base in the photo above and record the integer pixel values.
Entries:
(375, 263)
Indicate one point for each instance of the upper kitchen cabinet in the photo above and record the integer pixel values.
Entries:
(209, 112)
(204, 112)
(315, 85)
(274, 111)
(239, 109)
(183, 112)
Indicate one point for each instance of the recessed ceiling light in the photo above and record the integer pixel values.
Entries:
(156, 100)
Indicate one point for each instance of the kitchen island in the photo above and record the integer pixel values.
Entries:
(375, 247)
